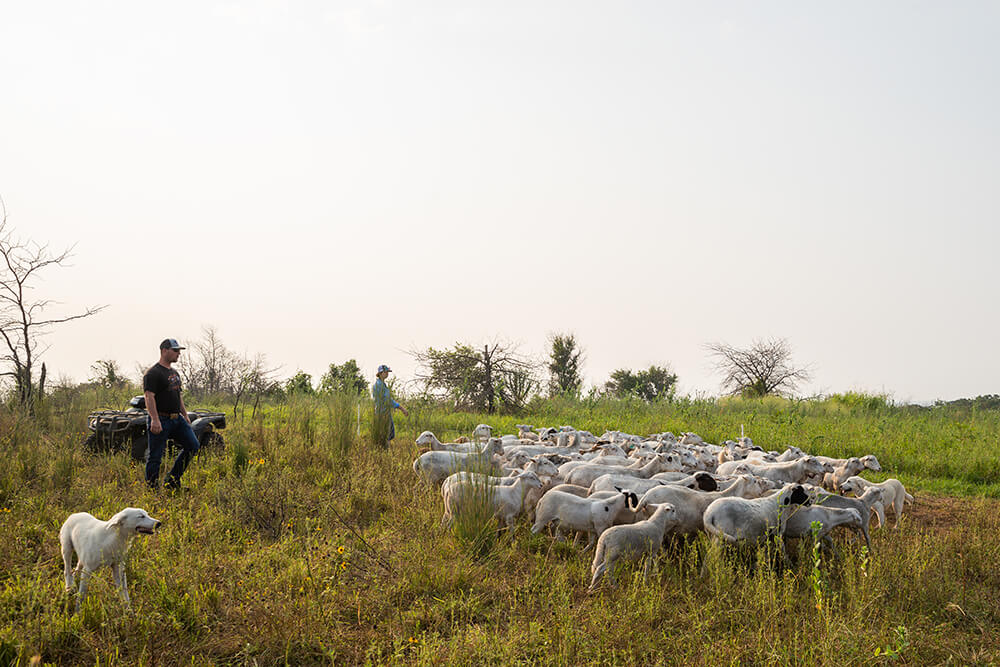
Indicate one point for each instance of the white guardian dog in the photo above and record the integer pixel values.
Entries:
(98, 543)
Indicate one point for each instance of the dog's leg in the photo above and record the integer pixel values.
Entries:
(67, 554)
(118, 574)
(84, 577)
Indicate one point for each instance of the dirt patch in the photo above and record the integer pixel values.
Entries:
(943, 513)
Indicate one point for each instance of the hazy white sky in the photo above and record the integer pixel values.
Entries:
(322, 181)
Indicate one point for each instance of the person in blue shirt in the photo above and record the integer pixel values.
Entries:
(385, 429)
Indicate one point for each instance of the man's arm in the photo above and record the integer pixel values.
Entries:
(154, 416)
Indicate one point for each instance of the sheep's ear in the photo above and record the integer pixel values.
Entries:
(618, 489)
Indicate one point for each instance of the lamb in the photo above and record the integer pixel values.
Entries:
(894, 494)
(579, 491)
(622, 463)
(526, 432)
(543, 468)
(793, 472)
(482, 432)
(585, 475)
(428, 439)
(610, 481)
(791, 454)
(690, 505)
(630, 542)
(736, 520)
(865, 504)
(506, 502)
(702, 481)
(853, 466)
(580, 514)
(436, 466)
(800, 522)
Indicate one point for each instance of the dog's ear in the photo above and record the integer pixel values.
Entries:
(117, 520)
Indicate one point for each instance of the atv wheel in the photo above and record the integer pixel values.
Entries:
(140, 446)
(211, 439)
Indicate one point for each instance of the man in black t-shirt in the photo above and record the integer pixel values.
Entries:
(168, 418)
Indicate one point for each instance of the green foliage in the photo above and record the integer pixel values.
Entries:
(654, 383)
(346, 377)
(984, 402)
(565, 361)
(862, 401)
(494, 378)
(107, 373)
(299, 384)
(310, 557)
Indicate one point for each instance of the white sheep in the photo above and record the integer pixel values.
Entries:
(585, 475)
(572, 513)
(894, 495)
(436, 466)
(791, 472)
(736, 520)
(505, 502)
(580, 491)
(428, 439)
(482, 432)
(800, 521)
(690, 505)
(865, 504)
(630, 542)
(850, 468)
(611, 481)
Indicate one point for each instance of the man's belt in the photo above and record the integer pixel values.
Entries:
(169, 415)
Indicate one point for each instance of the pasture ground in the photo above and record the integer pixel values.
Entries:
(300, 543)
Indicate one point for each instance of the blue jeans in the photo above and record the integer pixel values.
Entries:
(180, 432)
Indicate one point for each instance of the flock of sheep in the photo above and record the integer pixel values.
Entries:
(627, 493)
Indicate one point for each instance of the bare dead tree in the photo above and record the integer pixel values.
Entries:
(763, 369)
(23, 318)
(478, 379)
(253, 377)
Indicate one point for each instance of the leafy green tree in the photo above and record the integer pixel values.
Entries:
(565, 361)
(483, 380)
(346, 378)
(655, 383)
(107, 373)
(300, 383)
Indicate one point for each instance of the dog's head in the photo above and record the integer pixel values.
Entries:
(133, 520)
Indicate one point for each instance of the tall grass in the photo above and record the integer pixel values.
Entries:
(326, 549)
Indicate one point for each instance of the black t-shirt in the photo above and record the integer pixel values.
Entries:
(165, 383)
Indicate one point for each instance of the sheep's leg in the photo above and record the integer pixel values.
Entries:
(880, 511)
(897, 508)
(598, 573)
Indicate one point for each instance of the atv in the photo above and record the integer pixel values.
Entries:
(118, 430)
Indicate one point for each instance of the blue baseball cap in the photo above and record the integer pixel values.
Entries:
(170, 344)
(382, 369)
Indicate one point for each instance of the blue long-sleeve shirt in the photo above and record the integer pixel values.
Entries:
(382, 395)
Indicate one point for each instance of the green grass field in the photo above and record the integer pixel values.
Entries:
(300, 543)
